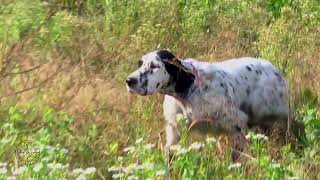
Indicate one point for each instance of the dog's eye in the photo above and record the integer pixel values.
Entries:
(153, 66)
(140, 63)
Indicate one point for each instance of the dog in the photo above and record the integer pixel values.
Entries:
(231, 95)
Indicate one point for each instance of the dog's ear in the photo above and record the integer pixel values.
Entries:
(165, 54)
(169, 58)
(181, 76)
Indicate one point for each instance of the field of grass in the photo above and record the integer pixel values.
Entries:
(62, 69)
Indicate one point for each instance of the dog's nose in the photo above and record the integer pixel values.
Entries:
(131, 81)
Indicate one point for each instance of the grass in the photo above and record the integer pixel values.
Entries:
(63, 64)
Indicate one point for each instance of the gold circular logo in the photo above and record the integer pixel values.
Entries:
(27, 152)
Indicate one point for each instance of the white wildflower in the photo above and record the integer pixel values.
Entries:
(195, 146)
(45, 4)
(117, 176)
(37, 167)
(149, 146)
(234, 166)
(139, 167)
(3, 170)
(3, 164)
(182, 151)
(253, 136)
(276, 165)
(292, 178)
(129, 149)
(50, 148)
(81, 177)
(133, 178)
(114, 169)
(179, 149)
(160, 173)
(64, 151)
(211, 140)
(55, 166)
(90, 170)
(139, 141)
(11, 178)
(262, 137)
(77, 171)
(19, 171)
(128, 170)
(176, 147)
(120, 158)
(148, 165)
(45, 159)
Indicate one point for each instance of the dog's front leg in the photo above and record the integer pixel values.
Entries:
(172, 137)
(171, 109)
(172, 134)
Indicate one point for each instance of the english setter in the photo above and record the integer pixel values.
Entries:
(231, 95)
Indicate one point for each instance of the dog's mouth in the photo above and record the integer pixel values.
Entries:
(141, 92)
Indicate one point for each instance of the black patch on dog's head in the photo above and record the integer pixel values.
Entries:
(143, 79)
(145, 83)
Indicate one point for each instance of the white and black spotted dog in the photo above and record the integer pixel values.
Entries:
(231, 95)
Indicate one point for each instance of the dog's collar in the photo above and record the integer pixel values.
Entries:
(198, 78)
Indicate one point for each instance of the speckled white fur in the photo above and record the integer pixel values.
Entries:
(262, 89)
(232, 95)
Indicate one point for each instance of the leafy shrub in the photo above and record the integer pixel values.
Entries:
(275, 6)
(310, 116)
(54, 160)
(57, 32)
(19, 18)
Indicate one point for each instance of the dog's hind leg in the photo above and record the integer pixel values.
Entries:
(234, 122)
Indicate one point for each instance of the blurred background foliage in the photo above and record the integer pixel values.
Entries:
(63, 64)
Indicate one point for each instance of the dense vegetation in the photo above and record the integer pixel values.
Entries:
(62, 70)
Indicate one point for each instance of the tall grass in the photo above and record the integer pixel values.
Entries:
(63, 64)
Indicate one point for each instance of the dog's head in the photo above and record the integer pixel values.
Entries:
(159, 71)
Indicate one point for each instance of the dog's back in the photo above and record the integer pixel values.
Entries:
(257, 87)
